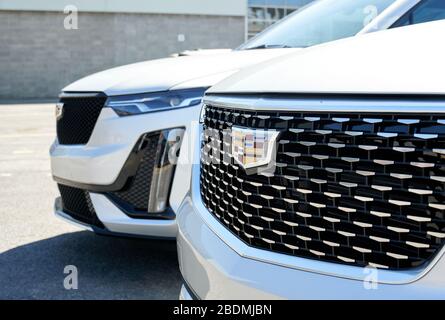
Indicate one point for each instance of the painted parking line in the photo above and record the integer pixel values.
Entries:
(23, 151)
(26, 135)
(5, 175)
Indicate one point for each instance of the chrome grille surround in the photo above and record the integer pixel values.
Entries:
(356, 188)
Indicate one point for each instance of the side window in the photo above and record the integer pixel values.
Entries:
(426, 10)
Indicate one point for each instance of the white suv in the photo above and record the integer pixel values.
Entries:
(322, 175)
(118, 131)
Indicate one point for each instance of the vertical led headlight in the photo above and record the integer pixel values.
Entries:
(166, 159)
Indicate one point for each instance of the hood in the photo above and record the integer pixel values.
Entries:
(164, 74)
(407, 60)
(200, 52)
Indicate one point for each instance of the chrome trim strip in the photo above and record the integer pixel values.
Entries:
(68, 95)
(321, 267)
(339, 105)
(185, 294)
(62, 215)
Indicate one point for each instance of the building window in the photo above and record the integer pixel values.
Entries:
(263, 13)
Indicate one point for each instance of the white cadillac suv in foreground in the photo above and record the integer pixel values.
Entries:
(321, 175)
(119, 131)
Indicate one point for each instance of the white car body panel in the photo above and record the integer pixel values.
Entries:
(336, 73)
(163, 74)
(101, 160)
(116, 221)
(204, 82)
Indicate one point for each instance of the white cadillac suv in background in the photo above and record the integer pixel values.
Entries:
(321, 175)
(119, 131)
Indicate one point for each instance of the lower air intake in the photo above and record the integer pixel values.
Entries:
(77, 203)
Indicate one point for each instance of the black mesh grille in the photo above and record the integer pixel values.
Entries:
(360, 189)
(77, 203)
(78, 119)
(135, 195)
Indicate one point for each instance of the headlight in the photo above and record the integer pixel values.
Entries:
(153, 102)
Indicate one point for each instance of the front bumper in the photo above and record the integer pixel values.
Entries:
(98, 167)
(214, 270)
(117, 223)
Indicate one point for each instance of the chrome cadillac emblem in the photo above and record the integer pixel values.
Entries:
(253, 148)
(59, 111)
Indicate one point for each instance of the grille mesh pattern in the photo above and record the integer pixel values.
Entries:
(78, 120)
(136, 194)
(77, 203)
(360, 189)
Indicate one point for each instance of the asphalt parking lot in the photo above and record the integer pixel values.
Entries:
(35, 246)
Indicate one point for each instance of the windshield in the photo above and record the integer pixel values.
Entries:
(319, 22)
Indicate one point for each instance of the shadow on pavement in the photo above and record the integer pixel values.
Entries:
(108, 268)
